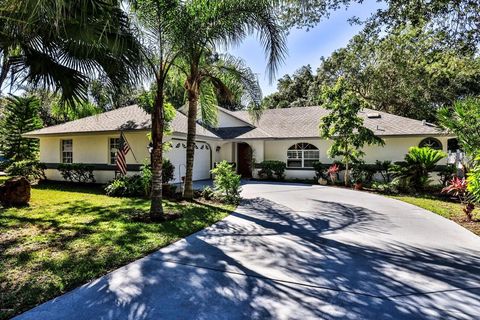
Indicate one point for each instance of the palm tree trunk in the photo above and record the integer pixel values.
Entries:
(193, 94)
(158, 118)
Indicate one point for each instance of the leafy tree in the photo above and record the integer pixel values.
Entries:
(344, 126)
(463, 120)
(21, 116)
(63, 43)
(205, 26)
(411, 72)
(291, 91)
(458, 20)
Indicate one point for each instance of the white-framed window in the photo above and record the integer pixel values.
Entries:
(113, 145)
(302, 155)
(66, 147)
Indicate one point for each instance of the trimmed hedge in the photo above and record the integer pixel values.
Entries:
(272, 168)
(77, 172)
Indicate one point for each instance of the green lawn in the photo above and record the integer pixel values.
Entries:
(71, 235)
(449, 210)
(3, 178)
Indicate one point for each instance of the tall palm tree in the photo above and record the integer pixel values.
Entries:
(207, 26)
(61, 44)
(157, 25)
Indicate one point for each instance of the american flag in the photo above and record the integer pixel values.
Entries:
(123, 149)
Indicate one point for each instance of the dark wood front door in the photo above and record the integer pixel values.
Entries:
(244, 160)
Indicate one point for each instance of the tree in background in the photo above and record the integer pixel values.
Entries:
(292, 91)
(20, 116)
(411, 72)
(203, 28)
(459, 20)
(344, 126)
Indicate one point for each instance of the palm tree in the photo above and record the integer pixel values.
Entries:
(203, 28)
(157, 25)
(62, 44)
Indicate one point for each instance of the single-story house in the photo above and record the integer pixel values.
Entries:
(290, 135)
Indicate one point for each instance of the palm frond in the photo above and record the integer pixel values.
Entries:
(208, 104)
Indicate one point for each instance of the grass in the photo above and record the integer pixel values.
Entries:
(3, 179)
(71, 235)
(447, 209)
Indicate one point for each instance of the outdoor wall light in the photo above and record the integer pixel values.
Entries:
(218, 148)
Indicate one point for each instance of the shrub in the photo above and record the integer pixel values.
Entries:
(362, 172)
(146, 174)
(383, 167)
(77, 172)
(272, 168)
(446, 173)
(125, 186)
(226, 183)
(30, 169)
(474, 181)
(4, 163)
(167, 171)
(458, 188)
(419, 162)
(208, 193)
(332, 172)
(391, 187)
(320, 170)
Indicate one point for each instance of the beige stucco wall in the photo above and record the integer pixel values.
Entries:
(394, 149)
(94, 149)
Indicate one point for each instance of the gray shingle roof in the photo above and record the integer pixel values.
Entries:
(274, 123)
(303, 122)
(128, 118)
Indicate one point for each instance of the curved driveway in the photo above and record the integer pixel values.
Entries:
(296, 252)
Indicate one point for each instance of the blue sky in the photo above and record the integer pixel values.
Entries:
(306, 47)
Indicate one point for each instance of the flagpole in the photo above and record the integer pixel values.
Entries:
(131, 149)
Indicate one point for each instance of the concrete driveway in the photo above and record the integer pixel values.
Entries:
(296, 252)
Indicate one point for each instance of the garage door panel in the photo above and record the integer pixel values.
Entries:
(201, 165)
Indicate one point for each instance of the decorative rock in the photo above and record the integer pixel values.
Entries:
(15, 192)
(322, 182)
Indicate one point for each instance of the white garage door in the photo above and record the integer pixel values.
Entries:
(201, 164)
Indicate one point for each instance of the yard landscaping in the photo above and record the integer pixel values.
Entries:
(449, 210)
(70, 235)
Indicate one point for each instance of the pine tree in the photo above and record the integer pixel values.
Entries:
(20, 116)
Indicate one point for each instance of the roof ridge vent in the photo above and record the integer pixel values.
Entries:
(374, 115)
(428, 124)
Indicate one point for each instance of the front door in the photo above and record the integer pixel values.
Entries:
(244, 166)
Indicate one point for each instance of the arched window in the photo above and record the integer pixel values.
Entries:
(302, 155)
(431, 143)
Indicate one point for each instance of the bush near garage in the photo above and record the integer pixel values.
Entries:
(226, 183)
(272, 168)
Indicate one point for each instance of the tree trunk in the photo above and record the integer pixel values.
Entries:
(346, 174)
(158, 118)
(5, 67)
(193, 94)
